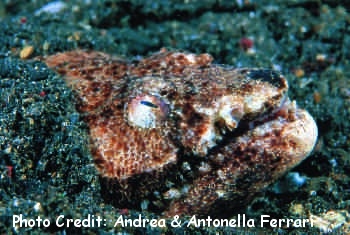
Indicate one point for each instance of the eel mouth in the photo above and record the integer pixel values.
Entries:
(285, 106)
(230, 121)
(286, 119)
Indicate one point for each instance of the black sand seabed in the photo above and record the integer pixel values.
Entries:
(46, 169)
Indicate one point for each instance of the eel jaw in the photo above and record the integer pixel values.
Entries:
(249, 163)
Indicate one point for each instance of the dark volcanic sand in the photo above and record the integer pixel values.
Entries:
(46, 168)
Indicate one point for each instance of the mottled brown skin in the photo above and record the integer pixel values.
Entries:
(183, 134)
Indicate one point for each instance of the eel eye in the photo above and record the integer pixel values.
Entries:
(147, 111)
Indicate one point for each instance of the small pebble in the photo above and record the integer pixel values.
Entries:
(46, 46)
(299, 72)
(297, 209)
(26, 52)
(317, 97)
(51, 8)
(246, 43)
(321, 57)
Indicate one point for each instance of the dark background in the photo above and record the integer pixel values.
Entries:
(45, 166)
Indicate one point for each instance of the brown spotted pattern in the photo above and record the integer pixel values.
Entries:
(182, 135)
